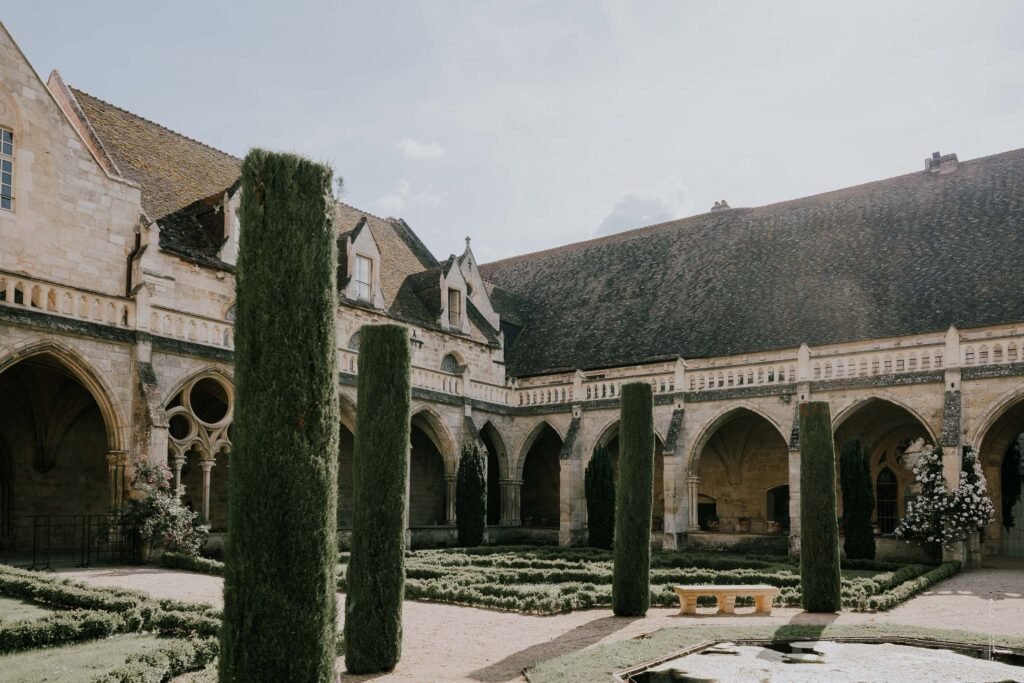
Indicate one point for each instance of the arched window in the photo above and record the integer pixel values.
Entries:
(6, 169)
(886, 500)
(230, 314)
(353, 342)
(450, 364)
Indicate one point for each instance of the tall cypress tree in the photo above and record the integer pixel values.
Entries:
(599, 483)
(281, 559)
(858, 501)
(631, 591)
(819, 529)
(380, 464)
(471, 497)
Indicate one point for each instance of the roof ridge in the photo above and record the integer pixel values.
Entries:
(358, 210)
(79, 91)
(677, 222)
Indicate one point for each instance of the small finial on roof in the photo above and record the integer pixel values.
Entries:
(467, 242)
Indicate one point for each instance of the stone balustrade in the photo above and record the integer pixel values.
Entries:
(191, 328)
(67, 302)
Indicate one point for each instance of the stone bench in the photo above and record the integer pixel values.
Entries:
(726, 596)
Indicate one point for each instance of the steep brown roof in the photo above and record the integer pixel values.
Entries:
(907, 255)
(173, 170)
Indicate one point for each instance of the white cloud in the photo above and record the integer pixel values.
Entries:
(403, 196)
(411, 149)
(669, 200)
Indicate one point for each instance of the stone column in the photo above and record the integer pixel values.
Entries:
(692, 496)
(116, 462)
(207, 465)
(572, 502)
(177, 462)
(794, 502)
(450, 481)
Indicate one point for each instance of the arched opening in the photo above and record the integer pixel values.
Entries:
(740, 456)
(1002, 458)
(887, 431)
(887, 500)
(776, 507)
(427, 488)
(610, 441)
(707, 513)
(53, 445)
(539, 498)
(346, 481)
(495, 455)
(199, 446)
(450, 364)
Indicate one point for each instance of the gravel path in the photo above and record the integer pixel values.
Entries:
(451, 643)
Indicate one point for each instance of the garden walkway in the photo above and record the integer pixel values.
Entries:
(450, 643)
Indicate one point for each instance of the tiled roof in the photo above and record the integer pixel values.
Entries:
(173, 170)
(907, 255)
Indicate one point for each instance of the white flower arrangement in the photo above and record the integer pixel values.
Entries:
(939, 515)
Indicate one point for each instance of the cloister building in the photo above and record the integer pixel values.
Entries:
(899, 302)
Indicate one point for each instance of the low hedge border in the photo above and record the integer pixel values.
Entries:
(202, 565)
(908, 589)
(59, 629)
(164, 663)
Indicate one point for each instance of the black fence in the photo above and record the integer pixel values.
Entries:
(46, 542)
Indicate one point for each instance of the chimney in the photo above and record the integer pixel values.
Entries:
(721, 205)
(941, 163)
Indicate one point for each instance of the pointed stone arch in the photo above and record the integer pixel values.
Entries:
(527, 443)
(539, 470)
(85, 373)
(845, 413)
(718, 420)
(497, 470)
(431, 423)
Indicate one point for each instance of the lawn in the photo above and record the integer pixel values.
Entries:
(79, 663)
(13, 609)
(546, 580)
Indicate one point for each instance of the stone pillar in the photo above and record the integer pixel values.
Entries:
(116, 484)
(450, 481)
(794, 503)
(572, 502)
(692, 497)
(177, 462)
(510, 489)
(207, 465)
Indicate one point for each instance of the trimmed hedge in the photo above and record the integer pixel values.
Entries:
(821, 583)
(60, 629)
(471, 497)
(631, 595)
(599, 484)
(202, 565)
(376, 571)
(279, 583)
(858, 501)
(908, 589)
(164, 663)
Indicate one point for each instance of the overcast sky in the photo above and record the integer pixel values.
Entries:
(532, 124)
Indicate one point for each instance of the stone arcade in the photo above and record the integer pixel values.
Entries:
(900, 302)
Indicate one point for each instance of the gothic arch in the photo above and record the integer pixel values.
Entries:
(610, 430)
(433, 426)
(851, 409)
(88, 376)
(347, 411)
(494, 434)
(531, 437)
(1002, 406)
(716, 422)
(213, 371)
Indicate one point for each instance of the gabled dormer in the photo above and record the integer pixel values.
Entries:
(359, 267)
(454, 289)
(475, 289)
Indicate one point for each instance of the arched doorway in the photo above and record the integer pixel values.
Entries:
(886, 430)
(496, 457)
(199, 445)
(427, 484)
(1002, 458)
(539, 497)
(740, 456)
(610, 441)
(346, 484)
(53, 444)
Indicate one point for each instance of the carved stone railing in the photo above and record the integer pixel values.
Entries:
(28, 293)
(1002, 349)
(197, 329)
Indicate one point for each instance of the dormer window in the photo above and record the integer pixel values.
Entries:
(454, 308)
(364, 277)
(6, 170)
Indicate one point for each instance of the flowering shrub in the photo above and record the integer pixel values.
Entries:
(942, 517)
(159, 516)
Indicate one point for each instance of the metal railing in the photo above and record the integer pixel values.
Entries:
(45, 542)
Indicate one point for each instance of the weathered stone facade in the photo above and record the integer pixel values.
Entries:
(115, 345)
